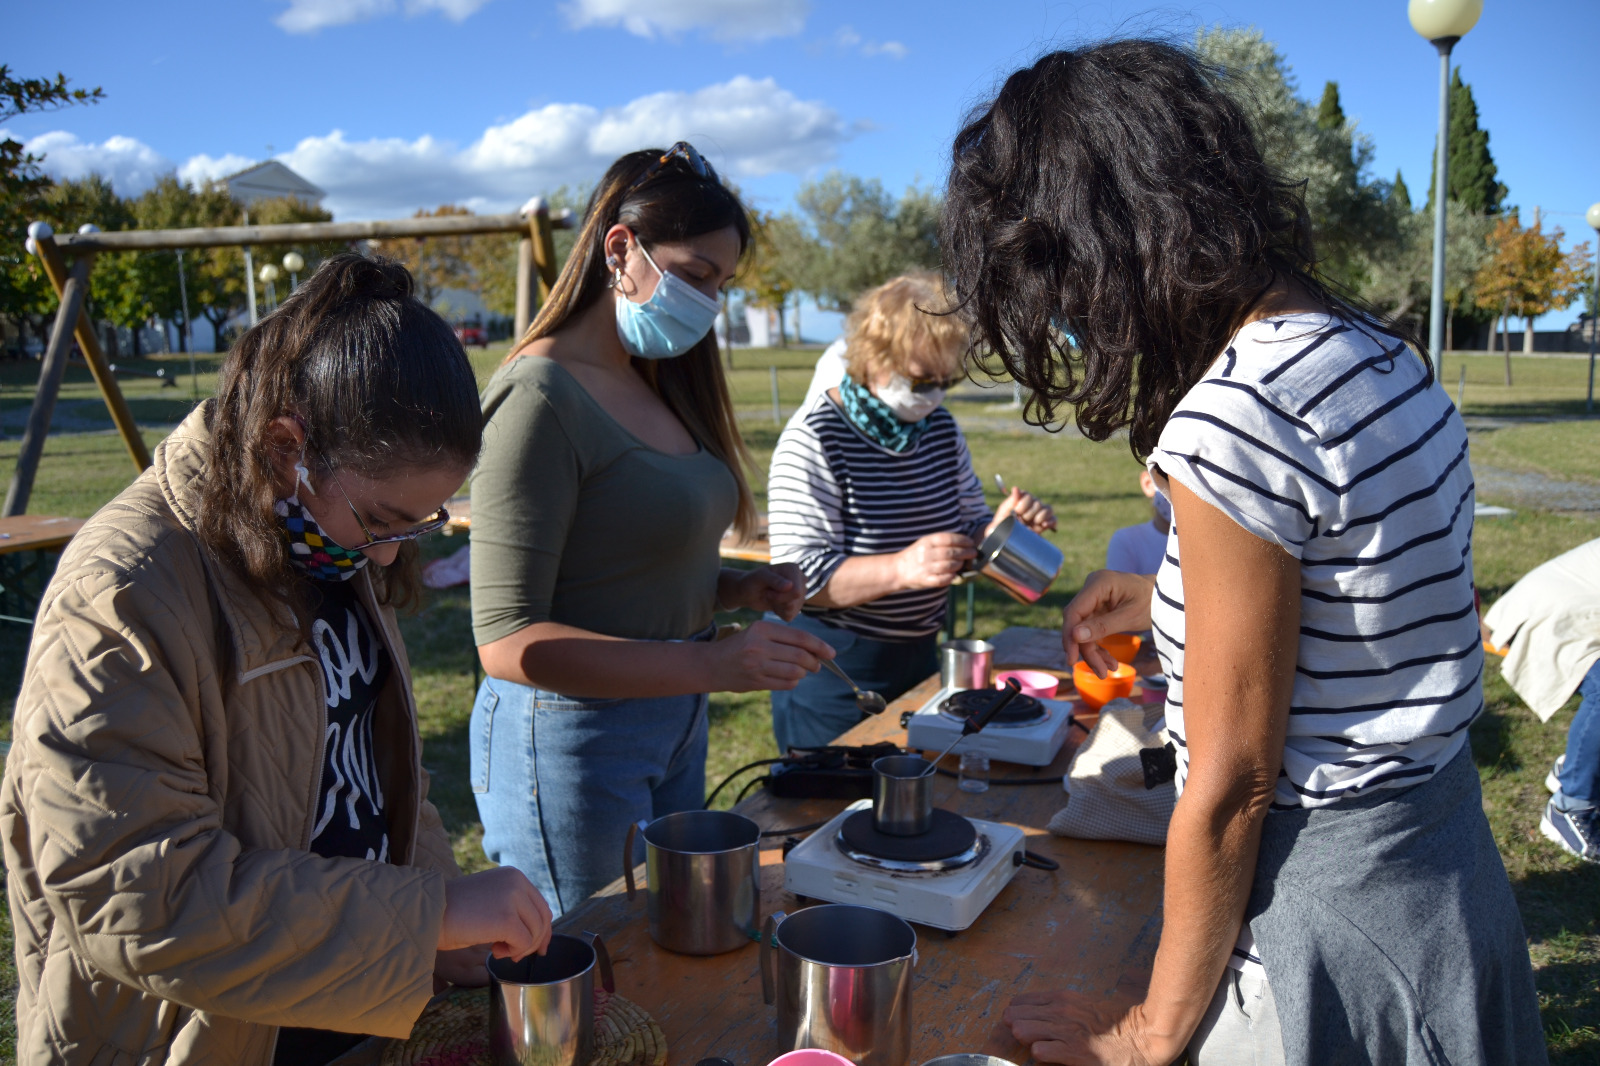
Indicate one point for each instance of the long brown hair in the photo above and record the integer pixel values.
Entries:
(674, 205)
(381, 384)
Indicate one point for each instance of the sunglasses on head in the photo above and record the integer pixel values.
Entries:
(682, 150)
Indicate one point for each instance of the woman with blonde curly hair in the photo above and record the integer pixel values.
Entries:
(872, 494)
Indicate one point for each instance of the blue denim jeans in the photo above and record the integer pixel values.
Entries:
(1580, 773)
(559, 779)
(817, 710)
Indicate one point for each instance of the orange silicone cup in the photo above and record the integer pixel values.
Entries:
(1122, 646)
(1095, 691)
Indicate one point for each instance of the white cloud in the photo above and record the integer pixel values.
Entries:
(725, 20)
(848, 39)
(130, 165)
(747, 127)
(199, 169)
(309, 16)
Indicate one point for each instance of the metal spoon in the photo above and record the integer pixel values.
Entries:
(867, 702)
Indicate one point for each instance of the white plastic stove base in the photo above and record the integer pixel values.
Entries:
(949, 899)
(1029, 745)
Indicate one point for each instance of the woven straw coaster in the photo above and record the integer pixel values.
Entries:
(455, 1032)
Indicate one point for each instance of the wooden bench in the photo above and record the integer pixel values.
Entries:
(26, 541)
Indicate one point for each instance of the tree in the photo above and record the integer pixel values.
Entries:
(767, 279)
(1472, 171)
(1399, 195)
(850, 235)
(25, 294)
(436, 263)
(215, 275)
(117, 286)
(491, 258)
(1330, 116)
(1527, 274)
(1400, 278)
(1350, 217)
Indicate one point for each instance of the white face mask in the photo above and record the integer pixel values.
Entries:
(908, 404)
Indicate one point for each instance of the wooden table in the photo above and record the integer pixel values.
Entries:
(1091, 926)
(22, 580)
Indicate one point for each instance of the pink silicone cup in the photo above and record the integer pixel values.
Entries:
(810, 1057)
(1035, 683)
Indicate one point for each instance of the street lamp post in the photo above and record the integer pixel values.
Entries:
(294, 262)
(1442, 22)
(1592, 216)
(268, 275)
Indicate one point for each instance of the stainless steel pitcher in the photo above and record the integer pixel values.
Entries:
(1018, 560)
(702, 878)
(541, 1008)
(841, 979)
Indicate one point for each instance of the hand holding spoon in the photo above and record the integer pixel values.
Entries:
(867, 702)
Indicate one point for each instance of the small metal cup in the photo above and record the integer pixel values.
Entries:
(541, 1008)
(1019, 560)
(964, 664)
(969, 1060)
(902, 795)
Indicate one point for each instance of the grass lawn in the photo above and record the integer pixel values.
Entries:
(1094, 490)
(1541, 386)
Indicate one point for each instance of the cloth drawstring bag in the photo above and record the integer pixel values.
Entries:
(1107, 797)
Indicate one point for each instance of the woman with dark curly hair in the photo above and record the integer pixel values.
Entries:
(1333, 893)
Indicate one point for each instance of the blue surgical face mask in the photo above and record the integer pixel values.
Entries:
(1162, 505)
(672, 321)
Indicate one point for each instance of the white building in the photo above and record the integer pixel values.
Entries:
(270, 181)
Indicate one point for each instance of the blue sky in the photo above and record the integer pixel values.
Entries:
(397, 104)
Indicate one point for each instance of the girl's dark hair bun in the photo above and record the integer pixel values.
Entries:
(356, 276)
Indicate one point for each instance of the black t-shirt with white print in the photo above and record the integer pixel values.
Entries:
(350, 818)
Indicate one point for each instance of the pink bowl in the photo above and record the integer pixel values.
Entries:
(1035, 683)
(810, 1057)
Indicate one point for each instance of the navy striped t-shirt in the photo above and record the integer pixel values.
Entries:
(832, 493)
(1328, 438)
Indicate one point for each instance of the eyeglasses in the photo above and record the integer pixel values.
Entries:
(432, 524)
(682, 150)
(941, 384)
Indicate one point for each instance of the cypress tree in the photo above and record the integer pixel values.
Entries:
(1330, 116)
(1472, 169)
(1399, 195)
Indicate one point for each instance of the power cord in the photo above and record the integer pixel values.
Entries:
(729, 779)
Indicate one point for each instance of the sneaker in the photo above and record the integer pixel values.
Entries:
(1576, 831)
(1552, 780)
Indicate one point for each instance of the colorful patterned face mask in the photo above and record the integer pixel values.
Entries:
(310, 549)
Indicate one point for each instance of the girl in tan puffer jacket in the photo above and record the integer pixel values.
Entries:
(217, 836)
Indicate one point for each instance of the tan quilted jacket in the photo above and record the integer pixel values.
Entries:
(157, 808)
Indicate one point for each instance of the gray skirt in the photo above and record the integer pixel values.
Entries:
(1389, 933)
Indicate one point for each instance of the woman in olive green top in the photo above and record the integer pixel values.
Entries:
(611, 468)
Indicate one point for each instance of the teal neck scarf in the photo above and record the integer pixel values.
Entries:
(874, 418)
